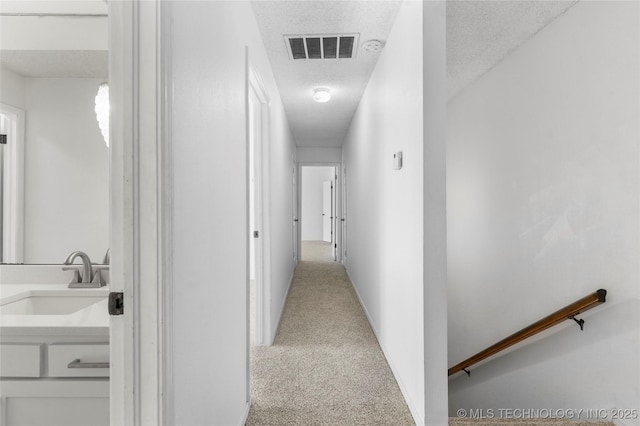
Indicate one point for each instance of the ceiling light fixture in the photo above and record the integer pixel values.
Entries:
(102, 111)
(321, 95)
(372, 45)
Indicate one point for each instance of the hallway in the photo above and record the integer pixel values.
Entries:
(325, 366)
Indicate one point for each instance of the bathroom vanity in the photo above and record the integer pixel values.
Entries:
(54, 350)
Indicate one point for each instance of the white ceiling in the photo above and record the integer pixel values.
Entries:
(316, 124)
(481, 33)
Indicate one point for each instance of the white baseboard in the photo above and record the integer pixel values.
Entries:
(246, 414)
(276, 324)
(412, 407)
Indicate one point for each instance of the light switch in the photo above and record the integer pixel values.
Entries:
(397, 160)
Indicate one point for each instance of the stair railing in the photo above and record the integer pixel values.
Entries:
(569, 312)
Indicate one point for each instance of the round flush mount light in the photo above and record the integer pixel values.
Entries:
(372, 45)
(321, 95)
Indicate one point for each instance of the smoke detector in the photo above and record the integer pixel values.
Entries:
(372, 45)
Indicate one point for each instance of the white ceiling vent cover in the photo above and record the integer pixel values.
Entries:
(321, 46)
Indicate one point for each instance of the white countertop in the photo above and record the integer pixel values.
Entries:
(92, 320)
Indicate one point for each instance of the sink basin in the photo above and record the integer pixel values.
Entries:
(49, 303)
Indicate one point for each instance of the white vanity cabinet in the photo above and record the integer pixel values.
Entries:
(53, 380)
(54, 352)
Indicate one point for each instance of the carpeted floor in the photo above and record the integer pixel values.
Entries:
(325, 367)
(316, 251)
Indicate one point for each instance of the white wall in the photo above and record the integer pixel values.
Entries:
(385, 206)
(308, 154)
(66, 180)
(543, 193)
(12, 88)
(210, 235)
(312, 179)
(282, 161)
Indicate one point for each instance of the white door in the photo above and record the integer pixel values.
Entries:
(294, 207)
(255, 211)
(326, 211)
(334, 228)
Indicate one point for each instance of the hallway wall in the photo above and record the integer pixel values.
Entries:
(543, 192)
(12, 88)
(385, 210)
(209, 384)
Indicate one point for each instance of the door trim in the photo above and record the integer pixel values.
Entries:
(263, 333)
(136, 89)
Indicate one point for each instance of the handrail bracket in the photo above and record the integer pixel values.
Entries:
(580, 322)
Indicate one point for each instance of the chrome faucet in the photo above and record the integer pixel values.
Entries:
(86, 279)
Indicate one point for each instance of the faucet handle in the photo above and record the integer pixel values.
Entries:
(76, 274)
(98, 279)
(107, 257)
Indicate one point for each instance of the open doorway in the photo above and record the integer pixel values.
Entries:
(319, 213)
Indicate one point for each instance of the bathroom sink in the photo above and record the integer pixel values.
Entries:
(49, 303)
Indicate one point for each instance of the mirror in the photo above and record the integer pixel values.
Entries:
(55, 176)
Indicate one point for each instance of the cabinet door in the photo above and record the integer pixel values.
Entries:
(55, 403)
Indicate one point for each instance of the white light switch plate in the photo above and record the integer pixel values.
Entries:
(397, 160)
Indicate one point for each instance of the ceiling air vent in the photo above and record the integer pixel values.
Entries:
(321, 46)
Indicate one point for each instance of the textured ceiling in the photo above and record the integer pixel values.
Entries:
(57, 63)
(481, 33)
(316, 124)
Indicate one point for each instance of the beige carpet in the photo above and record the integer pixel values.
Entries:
(316, 251)
(325, 367)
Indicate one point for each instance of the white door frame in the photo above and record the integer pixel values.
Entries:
(137, 198)
(338, 214)
(263, 335)
(343, 216)
(13, 187)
